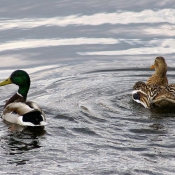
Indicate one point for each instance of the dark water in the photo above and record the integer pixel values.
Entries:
(83, 59)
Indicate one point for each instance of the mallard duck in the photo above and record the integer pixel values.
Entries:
(17, 109)
(159, 77)
(151, 96)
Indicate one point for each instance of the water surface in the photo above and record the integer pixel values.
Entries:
(83, 59)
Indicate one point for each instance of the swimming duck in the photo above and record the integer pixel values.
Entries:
(159, 77)
(17, 109)
(151, 96)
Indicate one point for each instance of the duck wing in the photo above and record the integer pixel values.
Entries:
(151, 96)
(27, 114)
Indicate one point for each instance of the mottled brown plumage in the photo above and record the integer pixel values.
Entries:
(156, 92)
(159, 77)
(151, 96)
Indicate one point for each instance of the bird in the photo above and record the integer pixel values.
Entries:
(159, 78)
(152, 96)
(17, 109)
(155, 93)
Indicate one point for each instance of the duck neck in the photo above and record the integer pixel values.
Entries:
(23, 90)
(161, 72)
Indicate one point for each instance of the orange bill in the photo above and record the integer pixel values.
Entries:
(152, 67)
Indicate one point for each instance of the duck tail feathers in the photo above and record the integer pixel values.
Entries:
(34, 117)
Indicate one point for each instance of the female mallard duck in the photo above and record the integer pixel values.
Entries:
(159, 77)
(17, 109)
(151, 96)
(155, 92)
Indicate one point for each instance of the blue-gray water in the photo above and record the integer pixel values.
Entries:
(83, 59)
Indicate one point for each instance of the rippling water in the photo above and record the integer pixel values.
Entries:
(83, 59)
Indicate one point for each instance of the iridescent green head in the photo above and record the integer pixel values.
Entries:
(20, 78)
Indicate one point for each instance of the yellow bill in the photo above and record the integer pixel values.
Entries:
(5, 82)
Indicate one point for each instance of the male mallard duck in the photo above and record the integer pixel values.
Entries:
(151, 96)
(17, 109)
(159, 77)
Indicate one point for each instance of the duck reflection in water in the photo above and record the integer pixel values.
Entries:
(19, 141)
